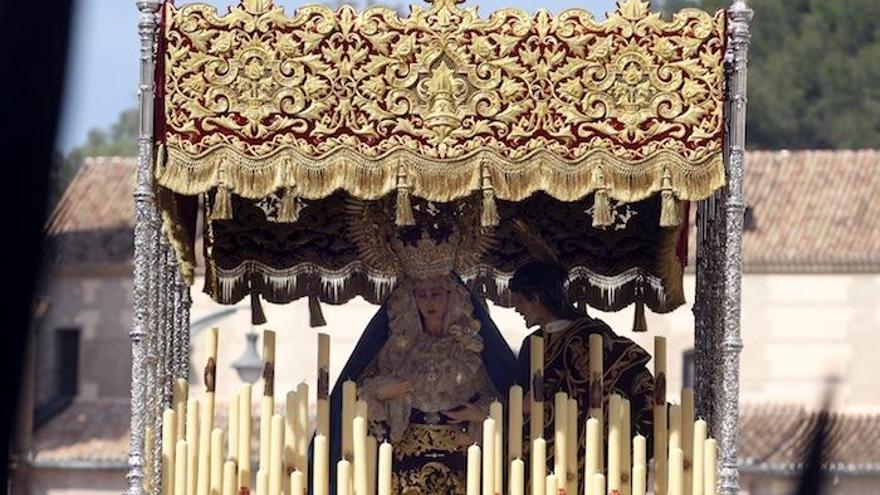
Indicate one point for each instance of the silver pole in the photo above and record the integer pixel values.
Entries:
(739, 15)
(146, 230)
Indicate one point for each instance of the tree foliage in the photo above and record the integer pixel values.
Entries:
(814, 67)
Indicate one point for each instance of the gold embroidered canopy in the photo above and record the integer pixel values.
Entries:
(440, 106)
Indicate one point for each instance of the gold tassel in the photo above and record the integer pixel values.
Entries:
(490, 209)
(601, 202)
(640, 324)
(222, 204)
(287, 212)
(669, 210)
(404, 206)
(258, 317)
(316, 316)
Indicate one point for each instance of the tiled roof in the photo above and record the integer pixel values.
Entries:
(93, 221)
(814, 211)
(774, 438)
(94, 432)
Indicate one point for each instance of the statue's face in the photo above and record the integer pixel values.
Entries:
(432, 299)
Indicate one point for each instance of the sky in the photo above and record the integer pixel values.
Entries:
(102, 72)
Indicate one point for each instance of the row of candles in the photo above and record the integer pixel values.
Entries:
(193, 462)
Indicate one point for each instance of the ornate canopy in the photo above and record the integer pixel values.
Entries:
(569, 124)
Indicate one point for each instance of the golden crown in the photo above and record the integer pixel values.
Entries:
(427, 258)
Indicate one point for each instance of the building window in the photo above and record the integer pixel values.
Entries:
(687, 368)
(67, 361)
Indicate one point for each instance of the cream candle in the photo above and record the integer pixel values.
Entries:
(639, 480)
(297, 483)
(180, 468)
(676, 472)
(303, 430)
(710, 461)
(343, 477)
(640, 451)
(517, 477)
(229, 481)
(539, 466)
(674, 427)
(359, 432)
(244, 436)
(216, 459)
(571, 445)
(473, 470)
(291, 435)
(349, 400)
(372, 447)
(591, 462)
(323, 385)
(597, 376)
(514, 422)
(276, 455)
(551, 484)
(536, 404)
(615, 458)
(267, 401)
(599, 484)
(560, 426)
(488, 452)
(496, 412)
(385, 462)
(192, 444)
(687, 438)
(661, 466)
(169, 439)
(233, 425)
(698, 471)
(262, 482)
(179, 397)
(321, 466)
(626, 449)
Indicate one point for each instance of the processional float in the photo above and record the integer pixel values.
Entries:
(591, 135)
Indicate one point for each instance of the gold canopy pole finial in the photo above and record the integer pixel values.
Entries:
(256, 6)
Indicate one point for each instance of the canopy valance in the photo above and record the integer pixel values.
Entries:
(564, 122)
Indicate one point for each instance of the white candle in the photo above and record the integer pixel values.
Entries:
(536, 404)
(179, 396)
(687, 438)
(385, 461)
(639, 480)
(517, 477)
(343, 478)
(321, 469)
(572, 444)
(514, 422)
(640, 451)
(297, 483)
(597, 380)
(323, 388)
(303, 430)
(674, 427)
(614, 433)
(229, 484)
(560, 425)
(192, 444)
(232, 426)
(262, 481)
(291, 435)
(488, 456)
(267, 402)
(710, 460)
(660, 450)
(169, 438)
(539, 466)
(216, 459)
(372, 447)
(496, 412)
(349, 398)
(359, 432)
(473, 470)
(593, 442)
(697, 454)
(676, 472)
(206, 426)
(626, 449)
(551, 484)
(244, 436)
(276, 455)
(180, 468)
(599, 484)
(360, 409)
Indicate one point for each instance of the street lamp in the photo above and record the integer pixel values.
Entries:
(249, 366)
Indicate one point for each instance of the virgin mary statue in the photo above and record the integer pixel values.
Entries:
(428, 365)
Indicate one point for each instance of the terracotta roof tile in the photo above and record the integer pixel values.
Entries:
(90, 431)
(93, 221)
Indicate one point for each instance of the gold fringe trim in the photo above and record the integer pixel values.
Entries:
(601, 202)
(288, 212)
(181, 241)
(316, 316)
(438, 179)
(670, 215)
(404, 205)
(489, 217)
(222, 204)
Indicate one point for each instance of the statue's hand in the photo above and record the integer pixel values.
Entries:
(397, 389)
(467, 413)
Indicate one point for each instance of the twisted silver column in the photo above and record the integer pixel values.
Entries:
(739, 15)
(146, 230)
